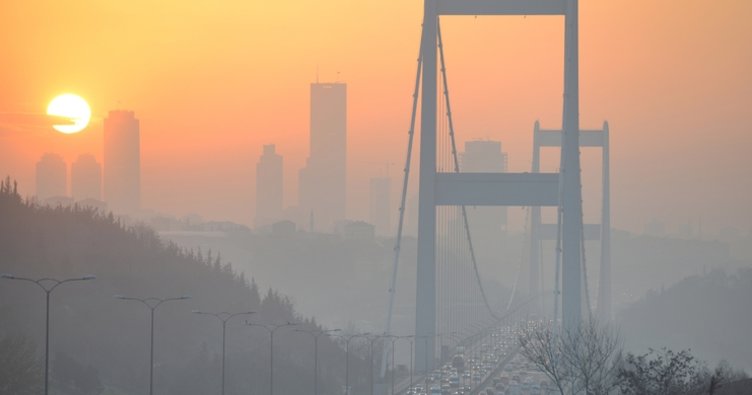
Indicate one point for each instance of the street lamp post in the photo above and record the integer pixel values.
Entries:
(394, 370)
(394, 367)
(412, 348)
(425, 353)
(152, 303)
(223, 317)
(47, 285)
(271, 329)
(347, 358)
(315, 334)
(370, 366)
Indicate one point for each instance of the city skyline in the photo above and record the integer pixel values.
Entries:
(643, 90)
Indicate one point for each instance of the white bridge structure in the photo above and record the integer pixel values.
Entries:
(439, 188)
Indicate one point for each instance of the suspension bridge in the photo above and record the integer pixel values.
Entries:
(450, 294)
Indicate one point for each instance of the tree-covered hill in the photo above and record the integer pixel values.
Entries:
(709, 314)
(99, 344)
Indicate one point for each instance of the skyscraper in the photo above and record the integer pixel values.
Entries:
(269, 187)
(86, 178)
(483, 156)
(380, 208)
(122, 162)
(323, 182)
(52, 178)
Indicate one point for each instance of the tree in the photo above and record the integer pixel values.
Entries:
(584, 359)
(19, 368)
(662, 372)
(592, 353)
(724, 375)
(542, 347)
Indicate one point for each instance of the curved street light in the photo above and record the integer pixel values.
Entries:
(47, 285)
(316, 334)
(348, 338)
(372, 339)
(223, 317)
(271, 329)
(425, 351)
(152, 303)
(395, 338)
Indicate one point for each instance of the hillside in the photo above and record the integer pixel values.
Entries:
(98, 338)
(706, 313)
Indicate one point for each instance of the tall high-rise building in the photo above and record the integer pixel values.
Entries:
(269, 187)
(122, 162)
(323, 182)
(86, 178)
(488, 224)
(52, 177)
(484, 156)
(380, 207)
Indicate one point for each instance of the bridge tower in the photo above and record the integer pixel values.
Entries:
(540, 232)
(496, 189)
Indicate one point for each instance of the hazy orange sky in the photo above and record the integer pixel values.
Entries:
(213, 81)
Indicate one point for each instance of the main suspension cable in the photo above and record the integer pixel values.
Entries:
(403, 200)
(457, 170)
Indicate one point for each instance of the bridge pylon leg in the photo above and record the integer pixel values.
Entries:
(425, 300)
(571, 199)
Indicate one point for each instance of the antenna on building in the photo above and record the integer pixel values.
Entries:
(317, 74)
(337, 77)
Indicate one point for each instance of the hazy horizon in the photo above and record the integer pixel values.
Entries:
(675, 98)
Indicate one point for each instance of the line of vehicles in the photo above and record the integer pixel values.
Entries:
(491, 367)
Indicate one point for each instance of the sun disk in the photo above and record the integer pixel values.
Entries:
(73, 107)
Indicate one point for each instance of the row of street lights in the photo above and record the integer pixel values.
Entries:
(50, 284)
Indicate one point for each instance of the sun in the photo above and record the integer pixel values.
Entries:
(73, 107)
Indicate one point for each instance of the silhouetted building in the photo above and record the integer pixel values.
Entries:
(86, 178)
(52, 179)
(323, 181)
(283, 228)
(355, 230)
(269, 187)
(122, 162)
(380, 207)
(483, 156)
